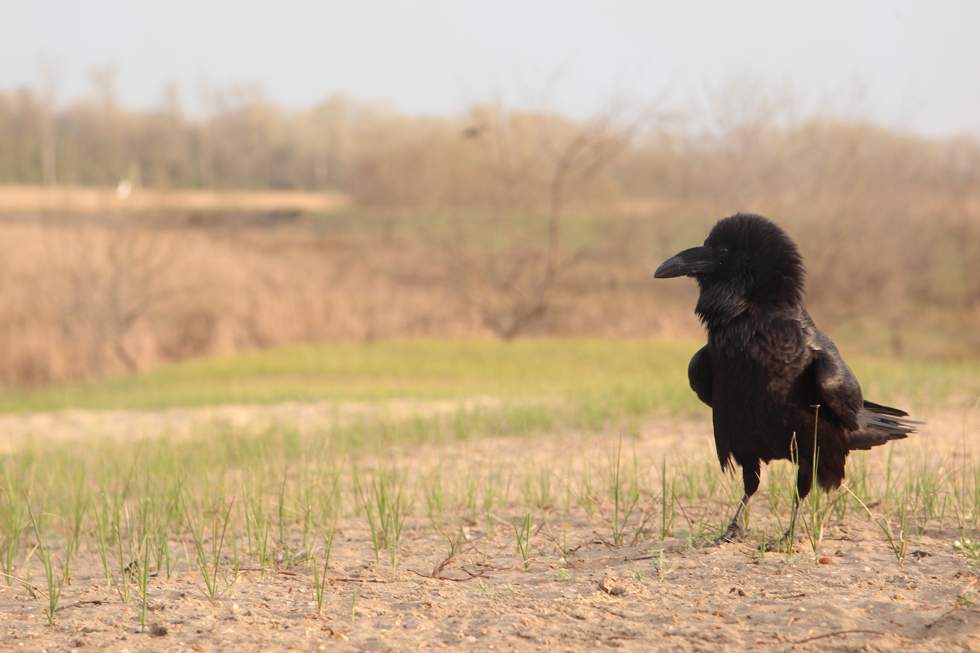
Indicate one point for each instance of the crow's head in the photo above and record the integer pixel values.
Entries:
(745, 261)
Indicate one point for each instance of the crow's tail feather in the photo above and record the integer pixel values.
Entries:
(880, 424)
(885, 410)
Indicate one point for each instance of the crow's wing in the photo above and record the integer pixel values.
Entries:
(699, 374)
(836, 383)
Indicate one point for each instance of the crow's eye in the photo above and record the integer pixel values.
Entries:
(723, 251)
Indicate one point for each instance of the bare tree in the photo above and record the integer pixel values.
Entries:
(52, 72)
(110, 124)
(537, 160)
(114, 276)
(205, 156)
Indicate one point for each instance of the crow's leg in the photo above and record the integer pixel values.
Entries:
(750, 481)
(734, 532)
(790, 535)
(804, 483)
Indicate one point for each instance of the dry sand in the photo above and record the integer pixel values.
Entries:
(856, 597)
(88, 199)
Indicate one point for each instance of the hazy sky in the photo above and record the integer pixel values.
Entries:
(918, 63)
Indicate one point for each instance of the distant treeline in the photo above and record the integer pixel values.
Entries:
(487, 157)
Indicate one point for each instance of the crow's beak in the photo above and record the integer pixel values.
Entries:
(687, 264)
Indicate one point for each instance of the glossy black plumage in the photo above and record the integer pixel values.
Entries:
(776, 384)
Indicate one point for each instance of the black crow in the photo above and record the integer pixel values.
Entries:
(775, 383)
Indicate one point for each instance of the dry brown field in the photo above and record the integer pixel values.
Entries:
(81, 199)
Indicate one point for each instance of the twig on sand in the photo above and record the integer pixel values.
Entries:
(81, 603)
(455, 580)
(836, 633)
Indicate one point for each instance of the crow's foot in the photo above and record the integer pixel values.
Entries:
(733, 534)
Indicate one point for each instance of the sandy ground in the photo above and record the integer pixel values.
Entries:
(716, 599)
(853, 596)
(130, 425)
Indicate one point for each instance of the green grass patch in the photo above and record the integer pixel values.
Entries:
(603, 378)
(641, 373)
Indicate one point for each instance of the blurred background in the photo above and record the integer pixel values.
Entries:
(184, 179)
